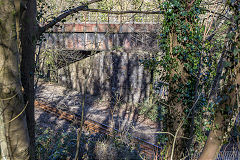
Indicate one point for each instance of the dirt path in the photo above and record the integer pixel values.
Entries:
(97, 108)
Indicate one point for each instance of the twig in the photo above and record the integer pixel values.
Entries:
(221, 15)
(79, 134)
(37, 61)
(160, 132)
(18, 114)
(6, 99)
(180, 125)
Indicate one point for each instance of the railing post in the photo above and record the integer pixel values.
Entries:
(84, 30)
(96, 43)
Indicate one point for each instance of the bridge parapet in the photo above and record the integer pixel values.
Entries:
(102, 37)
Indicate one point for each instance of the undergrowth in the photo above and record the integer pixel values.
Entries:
(60, 144)
(149, 110)
(55, 145)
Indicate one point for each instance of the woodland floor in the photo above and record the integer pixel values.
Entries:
(96, 108)
(126, 117)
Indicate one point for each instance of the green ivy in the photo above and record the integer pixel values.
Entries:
(192, 52)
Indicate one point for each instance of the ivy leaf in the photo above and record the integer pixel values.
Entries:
(236, 51)
(227, 64)
(184, 13)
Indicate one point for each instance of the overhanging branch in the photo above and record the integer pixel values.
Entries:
(122, 12)
(84, 6)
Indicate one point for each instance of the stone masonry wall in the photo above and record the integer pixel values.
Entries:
(116, 73)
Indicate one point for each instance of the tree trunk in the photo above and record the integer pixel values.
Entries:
(14, 139)
(176, 145)
(220, 130)
(225, 119)
(28, 45)
(214, 141)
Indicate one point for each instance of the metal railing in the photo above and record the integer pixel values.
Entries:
(90, 17)
(223, 155)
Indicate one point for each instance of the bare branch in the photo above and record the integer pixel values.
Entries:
(213, 12)
(83, 7)
(122, 12)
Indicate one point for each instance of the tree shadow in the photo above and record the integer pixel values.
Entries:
(117, 76)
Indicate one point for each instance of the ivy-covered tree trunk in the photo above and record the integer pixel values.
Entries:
(14, 139)
(28, 45)
(228, 108)
(220, 131)
(181, 43)
(176, 107)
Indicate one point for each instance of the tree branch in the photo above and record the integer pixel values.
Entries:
(83, 7)
(122, 12)
(221, 15)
